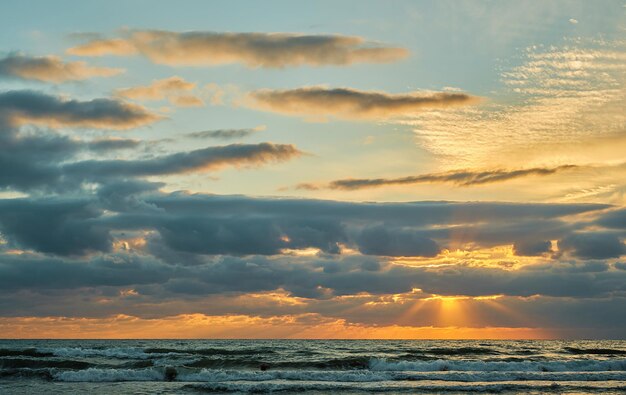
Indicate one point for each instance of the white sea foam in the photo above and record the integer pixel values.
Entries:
(218, 375)
(109, 375)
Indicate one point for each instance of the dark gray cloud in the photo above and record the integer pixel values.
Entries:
(55, 273)
(317, 101)
(49, 69)
(532, 247)
(615, 219)
(409, 213)
(593, 245)
(381, 241)
(459, 177)
(232, 225)
(110, 144)
(270, 50)
(300, 277)
(26, 107)
(63, 227)
(32, 161)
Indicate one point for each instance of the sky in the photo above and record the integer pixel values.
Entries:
(413, 169)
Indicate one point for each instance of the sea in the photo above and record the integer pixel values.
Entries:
(312, 366)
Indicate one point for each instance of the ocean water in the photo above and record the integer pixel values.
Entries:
(315, 366)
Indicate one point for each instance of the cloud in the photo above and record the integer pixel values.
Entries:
(463, 178)
(101, 47)
(25, 169)
(198, 253)
(45, 161)
(50, 69)
(532, 247)
(32, 161)
(557, 97)
(32, 107)
(108, 144)
(347, 103)
(593, 245)
(208, 225)
(64, 227)
(299, 278)
(615, 219)
(268, 50)
(175, 89)
(573, 21)
(186, 101)
(226, 134)
(204, 159)
(381, 241)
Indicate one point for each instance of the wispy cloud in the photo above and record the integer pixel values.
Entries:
(347, 103)
(271, 50)
(225, 134)
(50, 69)
(462, 178)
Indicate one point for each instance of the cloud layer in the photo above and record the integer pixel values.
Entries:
(270, 50)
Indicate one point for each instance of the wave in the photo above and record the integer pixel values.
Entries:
(211, 351)
(544, 387)
(28, 352)
(337, 363)
(460, 351)
(18, 363)
(26, 373)
(595, 351)
(380, 364)
(452, 365)
(136, 352)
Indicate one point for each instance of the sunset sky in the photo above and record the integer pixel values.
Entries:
(327, 169)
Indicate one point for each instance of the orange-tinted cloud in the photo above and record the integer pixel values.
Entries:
(186, 101)
(175, 89)
(50, 69)
(319, 102)
(270, 50)
(98, 47)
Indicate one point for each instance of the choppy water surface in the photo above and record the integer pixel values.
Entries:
(289, 366)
